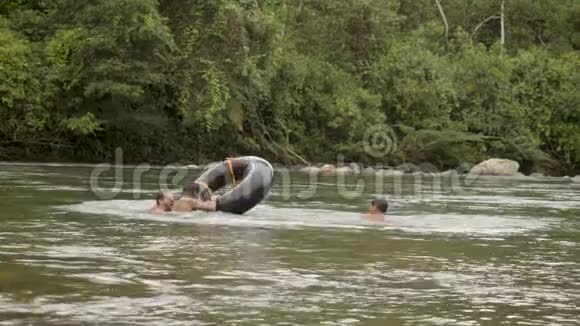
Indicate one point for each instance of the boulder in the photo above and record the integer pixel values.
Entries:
(449, 173)
(355, 168)
(369, 171)
(343, 170)
(328, 169)
(310, 170)
(496, 167)
(389, 172)
(576, 179)
(408, 168)
(428, 168)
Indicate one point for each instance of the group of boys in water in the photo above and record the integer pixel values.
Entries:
(193, 198)
(196, 197)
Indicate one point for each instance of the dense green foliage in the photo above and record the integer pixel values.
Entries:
(292, 80)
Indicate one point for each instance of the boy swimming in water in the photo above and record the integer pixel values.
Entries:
(163, 203)
(195, 197)
(378, 210)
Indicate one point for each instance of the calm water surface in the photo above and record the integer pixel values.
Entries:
(493, 252)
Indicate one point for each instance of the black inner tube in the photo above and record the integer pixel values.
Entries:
(253, 176)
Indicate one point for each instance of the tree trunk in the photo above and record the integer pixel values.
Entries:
(480, 25)
(502, 24)
(286, 18)
(444, 18)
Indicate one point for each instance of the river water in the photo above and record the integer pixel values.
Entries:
(487, 251)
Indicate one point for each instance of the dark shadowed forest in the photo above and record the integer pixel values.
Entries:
(291, 80)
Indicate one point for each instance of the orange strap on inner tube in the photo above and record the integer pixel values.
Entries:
(231, 168)
(203, 184)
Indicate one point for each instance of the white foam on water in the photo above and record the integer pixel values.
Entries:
(499, 201)
(266, 216)
(61, 188)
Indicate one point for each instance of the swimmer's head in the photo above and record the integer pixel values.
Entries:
(164, 200)
(380, 205)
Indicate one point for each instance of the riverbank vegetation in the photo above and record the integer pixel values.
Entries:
(291, 80)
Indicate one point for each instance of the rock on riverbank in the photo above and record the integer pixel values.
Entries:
(492, 167)
(497, 167)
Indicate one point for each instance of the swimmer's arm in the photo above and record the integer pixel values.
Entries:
(207, 206)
